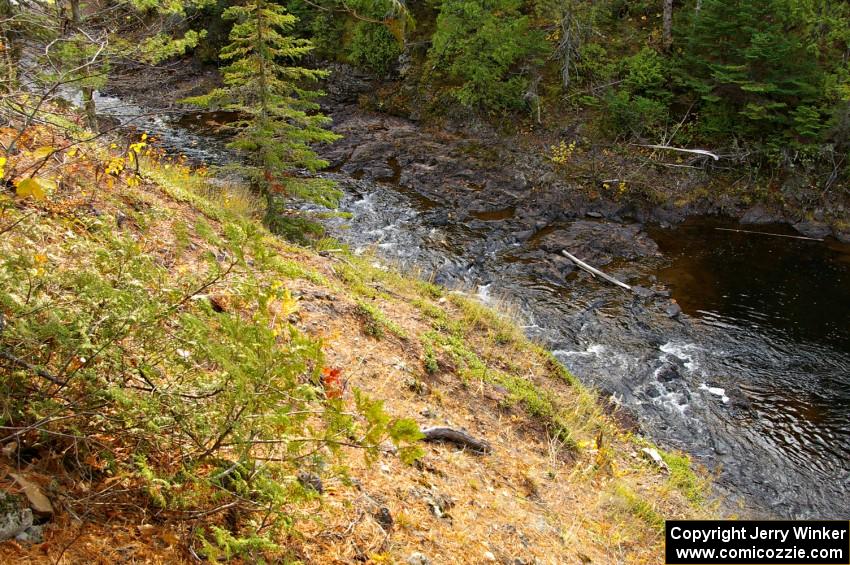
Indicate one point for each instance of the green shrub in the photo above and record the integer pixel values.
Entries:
(632, 115)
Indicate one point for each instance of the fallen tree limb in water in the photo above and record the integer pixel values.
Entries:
(594, 271)
(773, 234)
(457, 437)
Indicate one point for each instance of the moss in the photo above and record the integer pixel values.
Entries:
(639, 507)
(376, 323)
(683, 477)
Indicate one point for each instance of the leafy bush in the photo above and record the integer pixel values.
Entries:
(644, 73)
(639, 107)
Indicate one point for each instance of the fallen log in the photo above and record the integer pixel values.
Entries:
(773, 234)
(594, 271)
(458, 437)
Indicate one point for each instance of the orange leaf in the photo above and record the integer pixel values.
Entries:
(332, 382)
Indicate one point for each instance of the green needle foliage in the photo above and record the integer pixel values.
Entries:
(477, 47)
(278, 116)
(753, 75)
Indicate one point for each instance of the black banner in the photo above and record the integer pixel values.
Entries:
(757, 542)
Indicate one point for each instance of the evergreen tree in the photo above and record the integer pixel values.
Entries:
(754, 74)
(479, 47)
(278, 118)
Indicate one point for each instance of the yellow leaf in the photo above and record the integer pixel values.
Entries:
(31, 187)
(72, 152)
(288, 304)
(42, 152)
(2, 167)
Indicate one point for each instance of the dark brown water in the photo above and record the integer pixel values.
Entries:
(784, 306)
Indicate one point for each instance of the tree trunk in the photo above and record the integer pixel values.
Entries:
(10, 48)
(90, 108)
(667, 34)
(86, 92)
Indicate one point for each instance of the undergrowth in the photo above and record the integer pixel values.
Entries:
(161, 353)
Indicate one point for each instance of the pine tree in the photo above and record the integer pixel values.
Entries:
(484, 50)
(278, 118)
(750, 68)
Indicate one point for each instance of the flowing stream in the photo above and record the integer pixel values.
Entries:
(753, 379)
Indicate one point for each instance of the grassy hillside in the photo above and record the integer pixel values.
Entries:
(181, 383)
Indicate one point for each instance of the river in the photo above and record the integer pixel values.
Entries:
(752, 379)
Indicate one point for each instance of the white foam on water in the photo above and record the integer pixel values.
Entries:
(716, 391)
(681, 352)
(595, 349)
(484, 293)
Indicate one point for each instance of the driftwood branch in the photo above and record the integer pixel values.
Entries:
(695, 151)
(594, 271)
(457, 437)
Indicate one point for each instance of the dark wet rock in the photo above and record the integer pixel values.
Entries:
(812, 228)
(345, 83)
(598, 243)
(842, 236)
(664, 215)
(759, 214)
(673, 310)
(667, 373)
(643, 292)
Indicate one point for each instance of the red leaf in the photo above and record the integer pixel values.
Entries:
(332, 381)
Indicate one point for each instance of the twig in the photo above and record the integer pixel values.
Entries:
(696, 151)
(30, 367)
(11, 226)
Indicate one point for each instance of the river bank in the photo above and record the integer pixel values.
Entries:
(185, 386)
(619, 182)
(762, 409)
